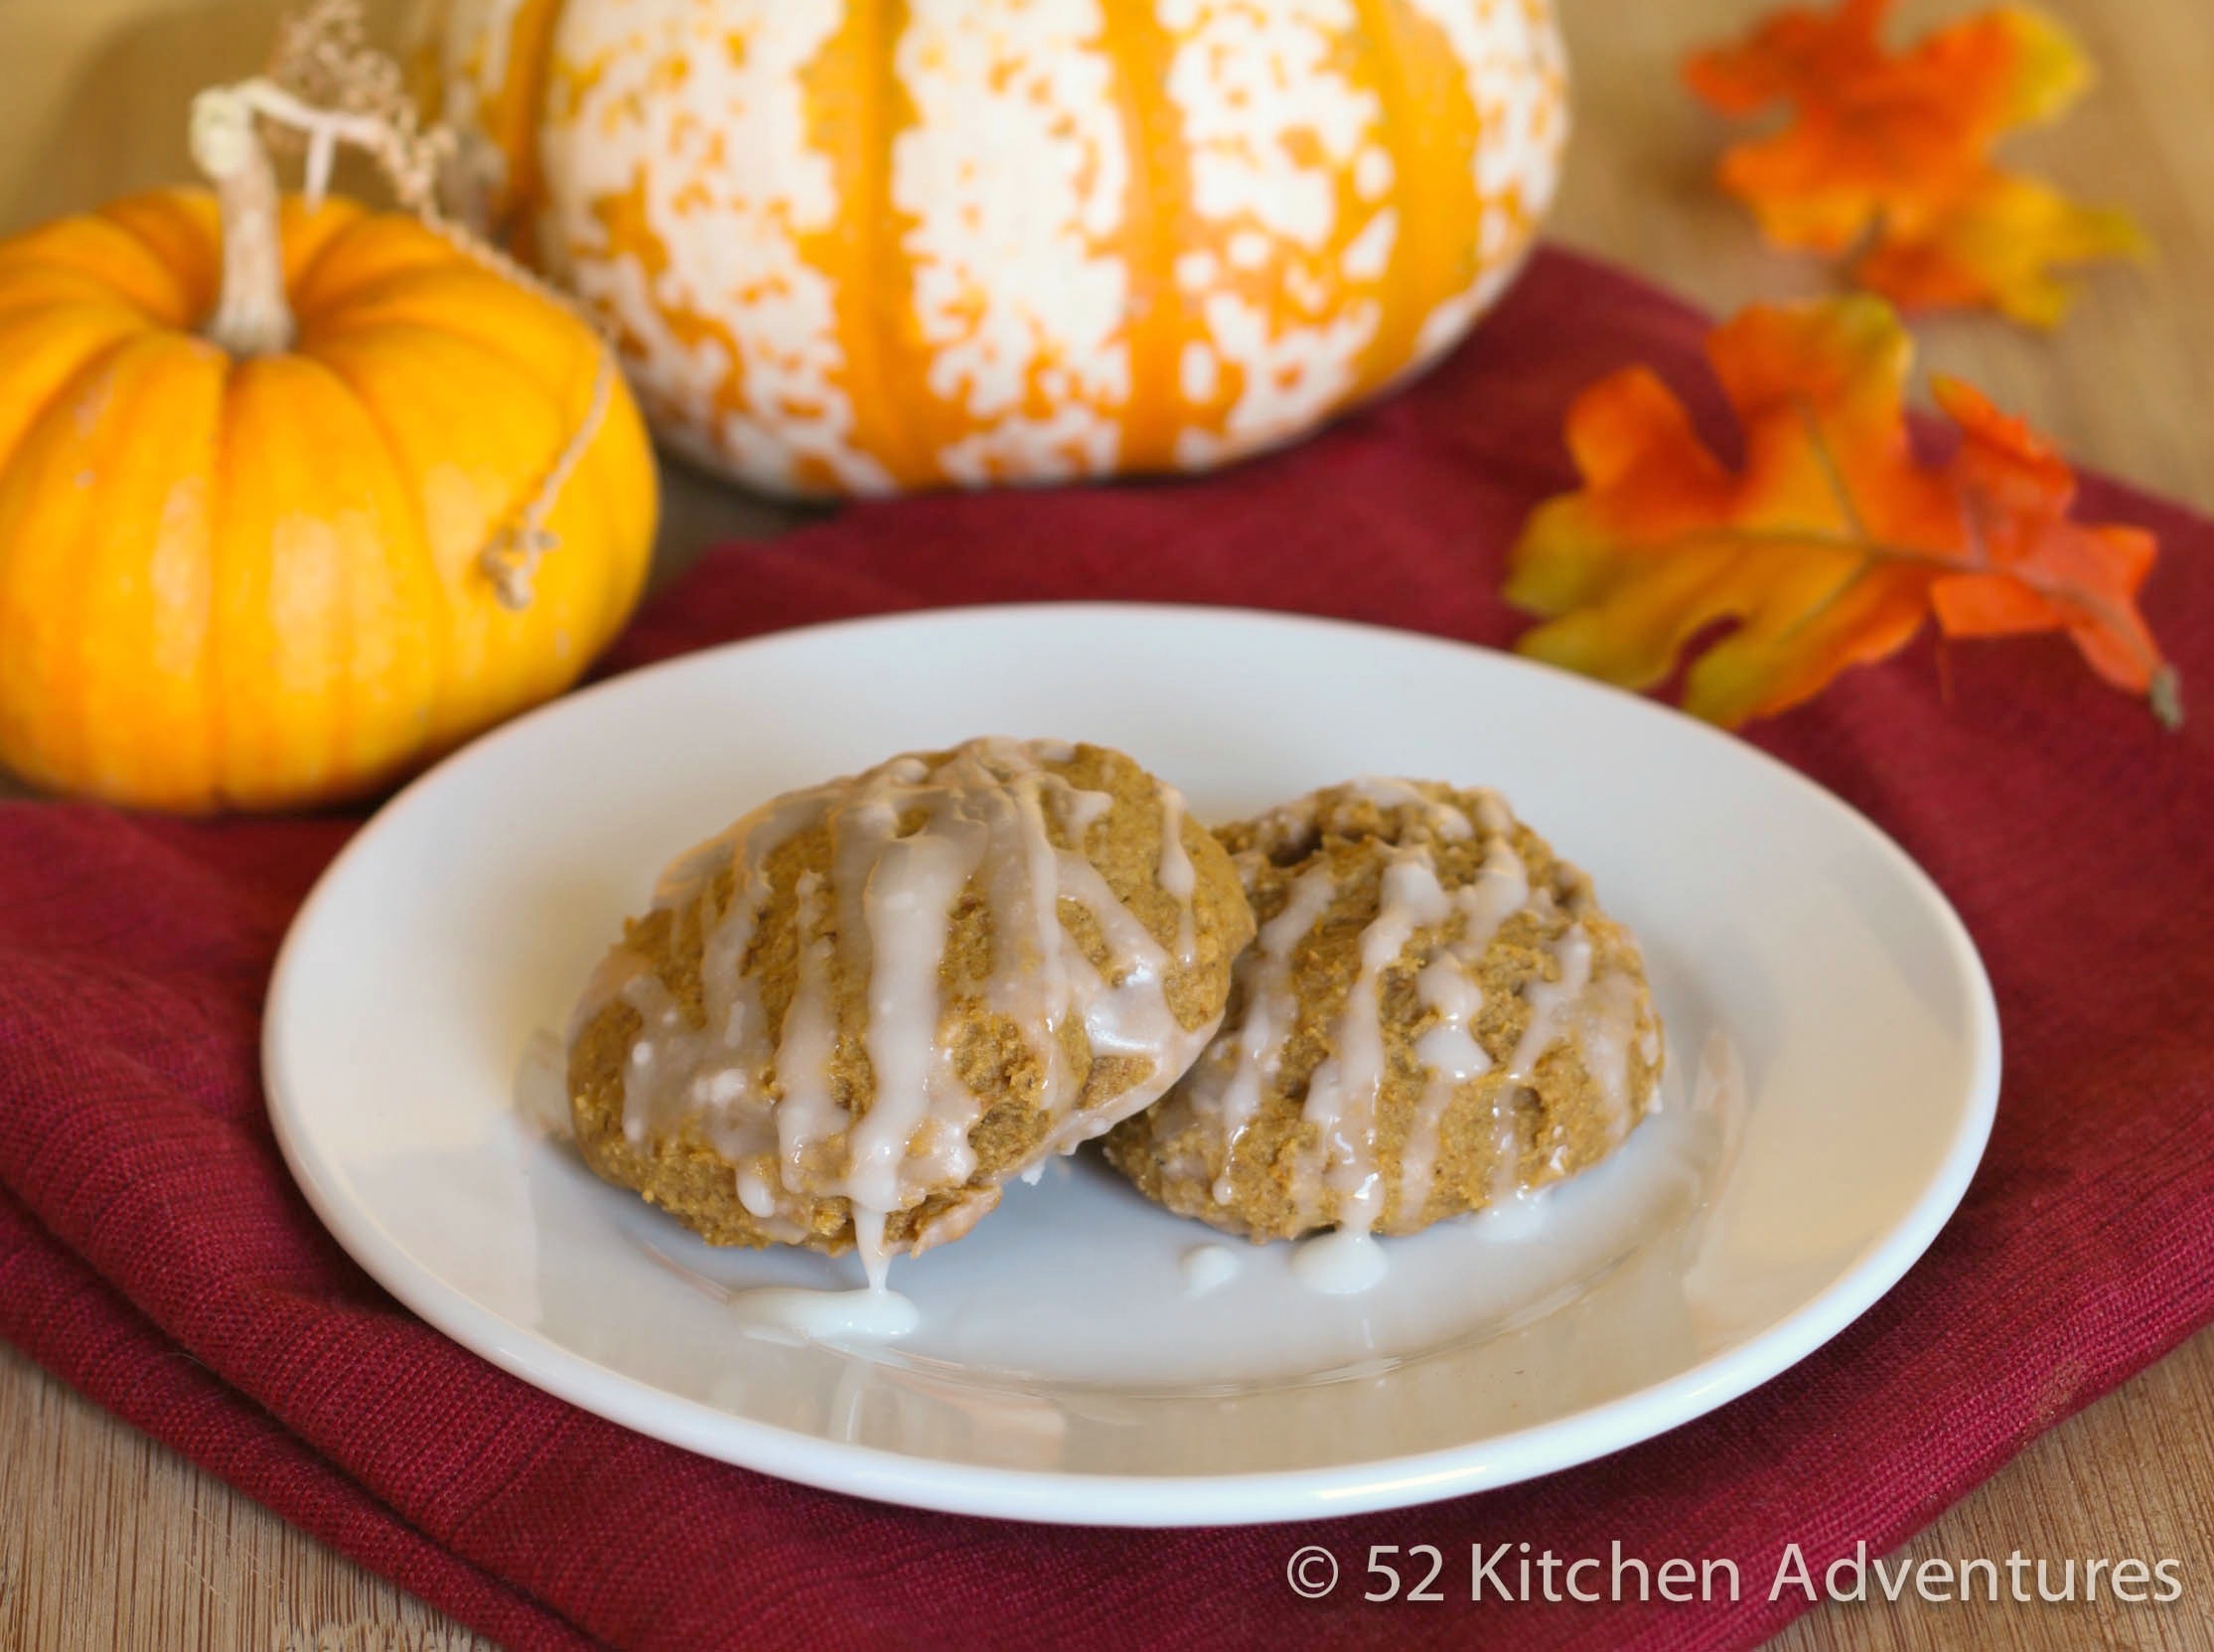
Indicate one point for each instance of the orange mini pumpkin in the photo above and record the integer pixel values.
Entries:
(251, 463)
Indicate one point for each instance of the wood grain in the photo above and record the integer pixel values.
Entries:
(108, 1540)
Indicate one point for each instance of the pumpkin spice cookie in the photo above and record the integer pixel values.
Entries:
(1437, 1016)
(855, 1015)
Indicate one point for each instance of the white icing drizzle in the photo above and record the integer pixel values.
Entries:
(868, 1238)
(1606, 1027)
(1178, 877)
(1448, 1050)
(1029, 926)
(1127, 1011)
(805, 1111)
(1227, 1087)
(872, 1315)
(905, 898)
(1449, 822)
(1506, 1147)
(1551, 1002)
(1080, 811)
(1599, 1015)
(1342, 1092)
(908, 842)
(1450, 1057)
(1501, 889)
(1208, 1268)
(542, 1086)
(1519, 1214)
(1343, 1263)
(755, 1193)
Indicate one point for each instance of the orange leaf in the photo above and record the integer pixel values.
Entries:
(1998, 248)
(1832, 543)
(1891, 151)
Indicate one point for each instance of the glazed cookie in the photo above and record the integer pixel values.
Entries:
(855, 1015)
(1435, 1017)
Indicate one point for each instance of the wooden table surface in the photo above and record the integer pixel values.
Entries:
(108, 1540)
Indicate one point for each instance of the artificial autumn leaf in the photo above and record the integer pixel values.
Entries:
(1833, 544)
(1891, 151)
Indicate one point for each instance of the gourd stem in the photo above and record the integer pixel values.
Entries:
(251, 317)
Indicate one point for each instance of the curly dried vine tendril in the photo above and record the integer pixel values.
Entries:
(327, 88)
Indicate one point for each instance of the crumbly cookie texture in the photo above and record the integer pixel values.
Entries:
(854, 1016)
(1436, 1016)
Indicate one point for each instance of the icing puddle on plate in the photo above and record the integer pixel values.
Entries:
(1080, 1281)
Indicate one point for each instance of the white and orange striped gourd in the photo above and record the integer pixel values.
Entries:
(862, 245)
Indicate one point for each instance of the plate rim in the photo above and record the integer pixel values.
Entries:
(1064, 1497)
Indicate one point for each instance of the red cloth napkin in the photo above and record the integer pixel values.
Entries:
(154, 1254)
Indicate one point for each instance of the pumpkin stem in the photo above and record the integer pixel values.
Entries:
(251, 315)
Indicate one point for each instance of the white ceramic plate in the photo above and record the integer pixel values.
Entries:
(1063, 1372)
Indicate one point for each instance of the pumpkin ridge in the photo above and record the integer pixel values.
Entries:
(188, 348)
(589, 486)
(221, 480)
(179, 229)
(336, 315)
(147, 284)
(299, 282)
(346, 704)
(136, 326)
(1394, 344)
(265, 772)
(35, 765)
(66, 726)
(93, 298)
(438, 639)
(565, 398)
(1442, 213)
(70, 384)
(439, 260)
(1161, 183)
(864, 321)
(509, 632)
(421, 315)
